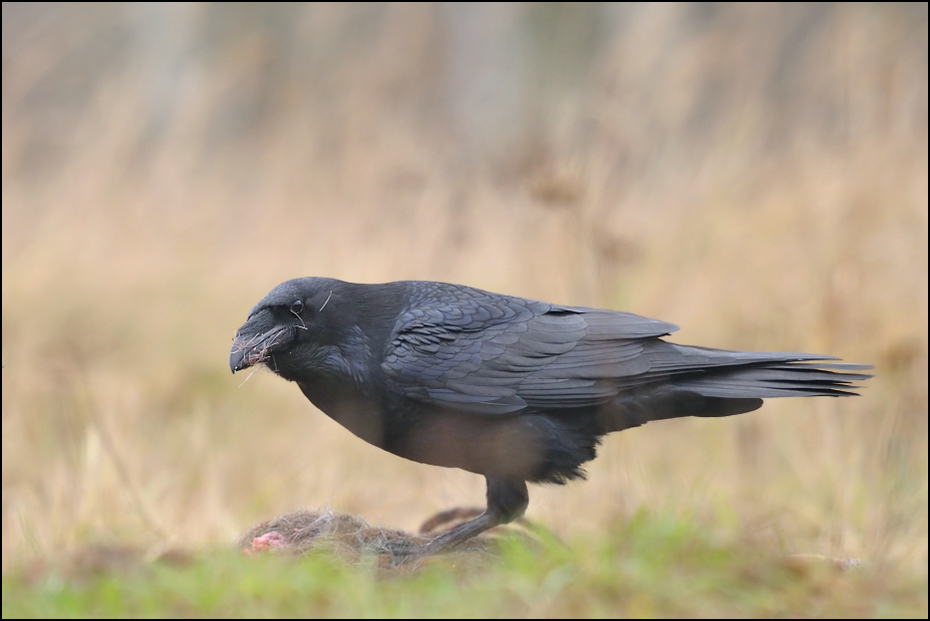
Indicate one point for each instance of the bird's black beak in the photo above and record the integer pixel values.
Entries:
(255, 341)
(237, 357)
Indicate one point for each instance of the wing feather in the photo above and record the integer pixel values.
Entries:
(493, 354)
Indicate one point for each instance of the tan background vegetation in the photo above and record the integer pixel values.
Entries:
(755, 174)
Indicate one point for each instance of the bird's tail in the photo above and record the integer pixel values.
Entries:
(696, 381)
(764, 375)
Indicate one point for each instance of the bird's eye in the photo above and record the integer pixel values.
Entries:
(297, 307)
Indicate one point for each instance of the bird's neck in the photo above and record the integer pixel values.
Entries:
(345, 404)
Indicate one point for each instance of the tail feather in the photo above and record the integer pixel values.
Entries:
(712, 383)
(777, 379)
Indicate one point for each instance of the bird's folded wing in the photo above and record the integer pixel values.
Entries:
(489, 354)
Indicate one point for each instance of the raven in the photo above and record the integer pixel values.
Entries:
(514, 389)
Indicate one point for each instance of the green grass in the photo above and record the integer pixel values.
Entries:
(651, 566)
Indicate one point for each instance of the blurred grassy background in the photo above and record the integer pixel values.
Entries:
(756, 174)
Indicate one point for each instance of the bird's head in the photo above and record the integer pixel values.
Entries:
(286, 329)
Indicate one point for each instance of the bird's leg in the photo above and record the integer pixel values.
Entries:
(449, 515)
(507, 500)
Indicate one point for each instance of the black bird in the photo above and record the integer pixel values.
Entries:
(510, 388)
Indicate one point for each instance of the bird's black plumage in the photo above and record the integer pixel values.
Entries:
(511, 388)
